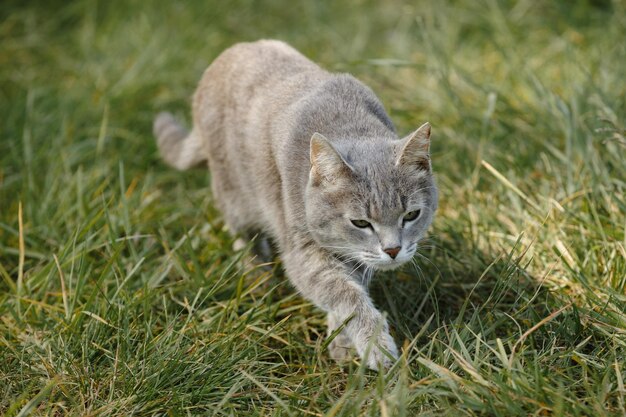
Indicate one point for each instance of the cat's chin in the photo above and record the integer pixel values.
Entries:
(388, 266)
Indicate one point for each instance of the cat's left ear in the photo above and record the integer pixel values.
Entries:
(415, 149)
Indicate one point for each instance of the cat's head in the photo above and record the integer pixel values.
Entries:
(371, 201)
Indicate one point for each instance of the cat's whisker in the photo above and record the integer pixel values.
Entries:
(429, 261)
(347, 262)
(358, 265)
(429, 242)
(335, 247)
(418, 269)
(429, 245)
(367, 276)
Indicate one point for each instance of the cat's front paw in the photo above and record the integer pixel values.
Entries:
(340, 349)
(381, 354)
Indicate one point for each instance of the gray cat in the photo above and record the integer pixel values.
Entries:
(311, 159)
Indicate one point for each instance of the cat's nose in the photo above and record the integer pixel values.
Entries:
(393, 252)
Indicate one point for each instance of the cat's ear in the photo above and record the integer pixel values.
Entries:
(415, 149)
(326, 163)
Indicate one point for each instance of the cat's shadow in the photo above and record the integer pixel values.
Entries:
(444, 286)
(451, 283)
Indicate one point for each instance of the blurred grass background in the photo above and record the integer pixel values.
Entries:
(120, 295)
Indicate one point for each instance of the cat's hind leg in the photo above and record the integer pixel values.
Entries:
(178, 147)
(261, 247)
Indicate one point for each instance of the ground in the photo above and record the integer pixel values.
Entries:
(119, 291)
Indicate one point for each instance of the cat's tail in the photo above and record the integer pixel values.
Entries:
(178, 147)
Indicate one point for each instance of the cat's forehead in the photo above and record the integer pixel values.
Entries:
(384, 193)
(383, 189)
(365, 154)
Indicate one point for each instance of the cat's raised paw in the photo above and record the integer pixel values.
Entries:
(382, 354)
(340, 349)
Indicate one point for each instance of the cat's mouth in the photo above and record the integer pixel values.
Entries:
(385, 263)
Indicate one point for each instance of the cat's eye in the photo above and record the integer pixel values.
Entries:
(411, 215)
(362, 224)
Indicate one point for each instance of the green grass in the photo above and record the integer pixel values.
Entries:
(125, 298)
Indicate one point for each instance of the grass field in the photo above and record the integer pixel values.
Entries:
(119, 292)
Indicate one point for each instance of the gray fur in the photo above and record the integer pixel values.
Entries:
(297, 153)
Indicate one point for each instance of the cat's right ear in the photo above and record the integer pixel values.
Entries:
(326, 163)
(415, 149)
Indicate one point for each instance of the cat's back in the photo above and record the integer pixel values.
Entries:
(251, 81)
(265, 57)
(250, 67)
